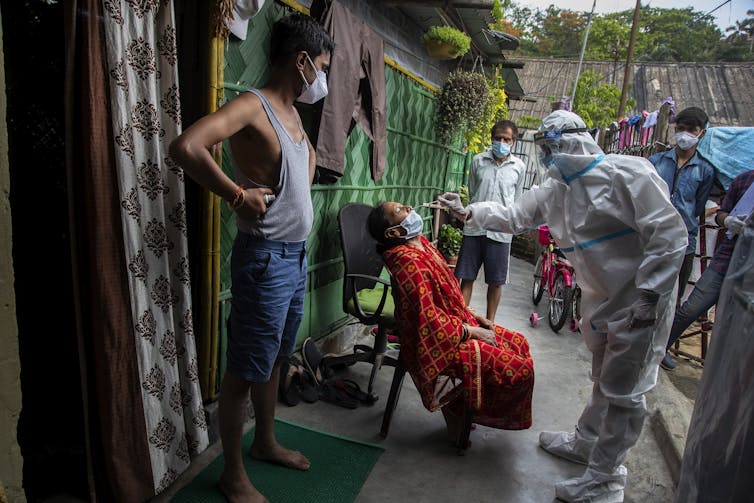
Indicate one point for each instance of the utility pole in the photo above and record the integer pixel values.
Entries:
(629, 59)
(581, 56)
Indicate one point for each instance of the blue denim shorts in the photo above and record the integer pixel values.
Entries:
(478, 250)
(268, 282)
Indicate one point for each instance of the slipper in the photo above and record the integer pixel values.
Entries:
(308, 387)
(312, 359)
(329, 392)
(354, 391)
(289, 384)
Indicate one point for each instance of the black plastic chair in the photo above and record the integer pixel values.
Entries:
(370, 299)
(365, 295)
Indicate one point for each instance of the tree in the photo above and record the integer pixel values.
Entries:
(501, 23)
(677, 35)
(596, 101)
(664, 35)
(560, 33)
(608, 38)
(741, 35)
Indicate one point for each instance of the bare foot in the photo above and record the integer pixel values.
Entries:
(239, 490)
(279, 455)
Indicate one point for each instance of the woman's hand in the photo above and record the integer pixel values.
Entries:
(483, 322)
(481, 334)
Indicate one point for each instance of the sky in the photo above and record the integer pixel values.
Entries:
(725, 16)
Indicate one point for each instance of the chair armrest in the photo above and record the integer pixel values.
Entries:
(364, 317)
(367, 276)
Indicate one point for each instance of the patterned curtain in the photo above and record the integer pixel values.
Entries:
(145, 109)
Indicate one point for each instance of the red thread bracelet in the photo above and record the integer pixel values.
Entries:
(238, 198)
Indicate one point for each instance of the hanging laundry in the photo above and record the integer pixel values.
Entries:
(243, 10)
(645, 132)
(651, 120)
(671, 115)
(625, 134)
(357, 89)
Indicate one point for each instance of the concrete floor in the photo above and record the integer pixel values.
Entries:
(419, 464)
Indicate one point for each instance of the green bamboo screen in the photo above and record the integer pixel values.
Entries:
(417, 169)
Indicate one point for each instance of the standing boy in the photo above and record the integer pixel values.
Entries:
(689, 178)
(273, 165)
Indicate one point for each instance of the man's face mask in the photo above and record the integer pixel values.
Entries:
(315, 91)
(686, 140)
(500, 149)
(412, 224)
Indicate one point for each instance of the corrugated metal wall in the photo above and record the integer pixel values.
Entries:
(417, 169)
(723, 90)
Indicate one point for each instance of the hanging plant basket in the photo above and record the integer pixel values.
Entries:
(440, 50)
(445, 42)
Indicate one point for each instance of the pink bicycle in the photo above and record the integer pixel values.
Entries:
(555, 275)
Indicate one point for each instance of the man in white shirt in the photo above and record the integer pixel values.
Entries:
(496, 175)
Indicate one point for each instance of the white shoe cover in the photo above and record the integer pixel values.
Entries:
(566, 445)
(593, 487)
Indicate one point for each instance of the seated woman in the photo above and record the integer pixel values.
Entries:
(442, 340)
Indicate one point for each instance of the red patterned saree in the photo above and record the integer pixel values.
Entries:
(497, 382)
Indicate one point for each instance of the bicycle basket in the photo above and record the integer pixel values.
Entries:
(543, 235)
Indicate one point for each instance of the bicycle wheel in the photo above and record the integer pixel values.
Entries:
(561, 302)
(538, 287)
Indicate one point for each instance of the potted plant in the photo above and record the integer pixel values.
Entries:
(461, 104)
(445, 42)
(478, 135)
(449, 243)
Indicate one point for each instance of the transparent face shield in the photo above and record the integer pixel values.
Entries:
(549, 142)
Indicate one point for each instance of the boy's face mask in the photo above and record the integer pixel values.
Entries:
(315, 91)
(685, 140)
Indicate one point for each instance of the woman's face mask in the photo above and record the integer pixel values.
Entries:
(412, 224)
(500, 149)
(685, 140)
(315, 91)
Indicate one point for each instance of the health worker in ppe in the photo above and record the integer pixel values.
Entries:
(612, 217)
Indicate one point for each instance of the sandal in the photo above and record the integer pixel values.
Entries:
(308, 387)
(329, 392)
(312, 359)
(288, 385)
(354, 391)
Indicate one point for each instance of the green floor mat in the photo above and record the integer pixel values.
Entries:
(340, 467)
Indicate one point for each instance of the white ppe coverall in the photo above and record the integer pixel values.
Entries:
(613, 219)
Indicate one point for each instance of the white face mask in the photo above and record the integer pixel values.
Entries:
(685, 140)
(315, 91)
(412, 224)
